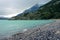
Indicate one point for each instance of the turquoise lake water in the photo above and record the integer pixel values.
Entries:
(9, 27)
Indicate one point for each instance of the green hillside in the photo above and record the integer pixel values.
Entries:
(51, 10)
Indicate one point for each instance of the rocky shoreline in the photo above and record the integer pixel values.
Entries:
(47, 32)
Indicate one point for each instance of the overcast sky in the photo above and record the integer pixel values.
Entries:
(9, 8)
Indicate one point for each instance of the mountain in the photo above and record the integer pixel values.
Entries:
(31, 9)
(3, 18)
(51, 10)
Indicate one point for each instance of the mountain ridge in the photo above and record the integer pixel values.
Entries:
(51, 10)
(31, 9)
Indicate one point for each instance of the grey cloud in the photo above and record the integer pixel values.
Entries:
(8, 7)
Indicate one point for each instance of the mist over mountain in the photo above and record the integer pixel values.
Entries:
(31, 9)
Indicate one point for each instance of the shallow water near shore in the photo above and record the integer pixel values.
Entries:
(10, 27)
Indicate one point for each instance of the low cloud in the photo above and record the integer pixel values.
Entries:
(13, 7)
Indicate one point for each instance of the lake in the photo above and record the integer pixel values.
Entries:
(9, 27)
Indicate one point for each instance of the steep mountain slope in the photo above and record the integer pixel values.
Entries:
(51, 10)
(31, 9)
